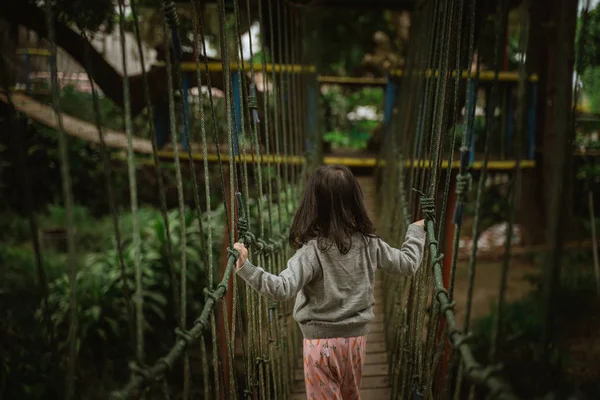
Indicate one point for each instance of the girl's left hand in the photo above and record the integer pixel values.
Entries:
(243, 255)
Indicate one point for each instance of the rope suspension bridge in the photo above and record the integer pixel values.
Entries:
(240, 345)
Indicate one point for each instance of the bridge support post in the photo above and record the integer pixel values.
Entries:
(531, 136)
(27, 62)
(447, 247)
(222, 318)
(237, 109)
(509, 121)
(186, 110)
(161, 122)
(313, 148)
(390, 100)
(470, 112)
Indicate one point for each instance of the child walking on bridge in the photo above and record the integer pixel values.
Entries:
(332, 276)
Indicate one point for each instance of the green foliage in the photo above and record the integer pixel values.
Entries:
(80, 105)
(591, 87)
(495, 207)
(588, 38)
(101, 306)
(345, 140)
(27, 369)
(349, 36)
(338, 103)
(33, 352)
(588, 63)
(42, 162)
(367, 96)
(520, 351)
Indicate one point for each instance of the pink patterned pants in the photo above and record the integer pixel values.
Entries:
(333, 367)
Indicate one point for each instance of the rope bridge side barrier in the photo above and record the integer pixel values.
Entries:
(428, 348)
(234, 323)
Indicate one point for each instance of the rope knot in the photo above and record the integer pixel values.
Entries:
(184, 335)
(233, 252)
(463, 184)
(249, 238)
(262, 360)
(447, 306)
(269, 248)
(428, 207)
(260, 245)
(170, 13)
(223, 287)
(212, 294)
(202, 321)
(275, 244)
(463, 339)
(243, 225)
(252, 103)
(440, 290)
(141, 370)
(469, 369)
(490, 371)
(272, 304)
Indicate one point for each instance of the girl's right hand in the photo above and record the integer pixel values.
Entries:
(420, 223)
(243, 255)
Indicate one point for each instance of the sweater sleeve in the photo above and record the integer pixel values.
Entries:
(407, 259)
(300, 270)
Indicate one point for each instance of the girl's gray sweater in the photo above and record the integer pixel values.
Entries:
(334, 291)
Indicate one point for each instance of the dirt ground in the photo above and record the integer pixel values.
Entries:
(579, 341)
(487, 281)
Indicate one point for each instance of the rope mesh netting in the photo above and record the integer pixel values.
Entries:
(264, 175)
(256, 330)
(421, 308)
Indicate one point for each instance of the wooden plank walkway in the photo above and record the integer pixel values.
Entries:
(375, 383)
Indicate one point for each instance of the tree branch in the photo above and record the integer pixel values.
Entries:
(106, 77)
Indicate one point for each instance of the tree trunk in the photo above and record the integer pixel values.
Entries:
(543, 60)
(105, 76)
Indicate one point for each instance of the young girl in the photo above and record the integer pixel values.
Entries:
(332, 276)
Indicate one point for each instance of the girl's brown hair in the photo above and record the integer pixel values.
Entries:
(331, 211)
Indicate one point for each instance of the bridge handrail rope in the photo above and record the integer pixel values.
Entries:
(268, 250)
(417, 376)
(267, 344)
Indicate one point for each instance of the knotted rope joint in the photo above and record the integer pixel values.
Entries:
(428, 207)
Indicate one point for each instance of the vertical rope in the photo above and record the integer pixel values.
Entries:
(108, 175)
(181, 204)
(276, 117)
(216, 368)
(131, 172)
(230, 127)
(266, 54)
(69, 204)
(284, 93)
(157, 164)
(209, 243)
(516, 183)
(559, 170)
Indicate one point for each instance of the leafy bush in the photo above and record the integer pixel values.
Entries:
(34, 355)
(520, 350)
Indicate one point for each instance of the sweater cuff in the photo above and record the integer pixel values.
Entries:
(247, 271)
(416, 232)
